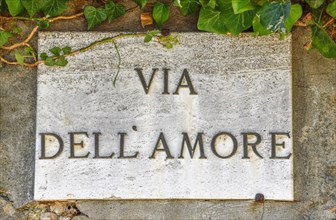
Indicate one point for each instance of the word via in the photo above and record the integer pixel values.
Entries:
(184, 78)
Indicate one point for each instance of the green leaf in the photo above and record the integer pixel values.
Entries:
(168, 45)
(61, 61)
(160, 13)
(208, 3)
(258, 29)
(27, 50)
(187, 7)
(4, 35)
(177, 3)
(148, 38)
(294, 15)
(323, 42)
(43, 24)
(240, 6)
(16, 30)
(258, 2)
(33, 6)
(94, 16)
(66, 50)
(317, 17)
(54, 8)
(43, 56)
(19, 58)
(114, 10)
(235, 23)
(273, 15)
(56, 51)
(331, 9)
(211, 20)
(315, 3)
(141, 3)
(3, 5)
(15, 7)
(150, 35)
(49, 61)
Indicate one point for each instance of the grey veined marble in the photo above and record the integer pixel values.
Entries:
(209, 119)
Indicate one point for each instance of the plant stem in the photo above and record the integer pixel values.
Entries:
(23, 43)
(119, 62)
(84, 49)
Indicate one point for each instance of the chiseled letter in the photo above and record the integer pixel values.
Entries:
(96, 135)
(213, 145)
(164, 145)
(275, 144)
(73, 144)
(122, 147)
(43, 145)
(253, 145)
(185, 75)
(191, 150)
(143, 81)
(165, 81)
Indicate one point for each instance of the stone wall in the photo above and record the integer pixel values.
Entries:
(314, 120)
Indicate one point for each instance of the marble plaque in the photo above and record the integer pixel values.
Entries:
(210, 118)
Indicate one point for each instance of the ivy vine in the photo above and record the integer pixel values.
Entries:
(261, 17)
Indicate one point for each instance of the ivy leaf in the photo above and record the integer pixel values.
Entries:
(49, 61)
(148, 38)
(27, 50)
(258, 29)
(114, 10)
(43, 56)
(315, 3)
(187, 7)
(273, 15)
(141, 3)
(4, 35)
(160, 13)
(33, 6)
(54, 8)
(208, 3)
(150, 35)
(259, 2)
(19, 58)
(56, 51)
(331, 9)
(240, 6)
(15, 7)
(94, 16)
(66, 50)
(61, 61)
(169, 45)
(43, 24)
(235, 23)
(211, 20)
(294, 15)
(2, 5)
(323, 42)
(16, 30)
(177, 3)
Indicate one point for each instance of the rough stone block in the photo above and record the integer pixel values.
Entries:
(206, 85)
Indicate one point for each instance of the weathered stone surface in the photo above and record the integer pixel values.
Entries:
(17, 133)
(48, 216)
(244, 89)
(171, 209)
(80, 217)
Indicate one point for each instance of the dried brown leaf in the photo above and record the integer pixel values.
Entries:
(146, 19)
